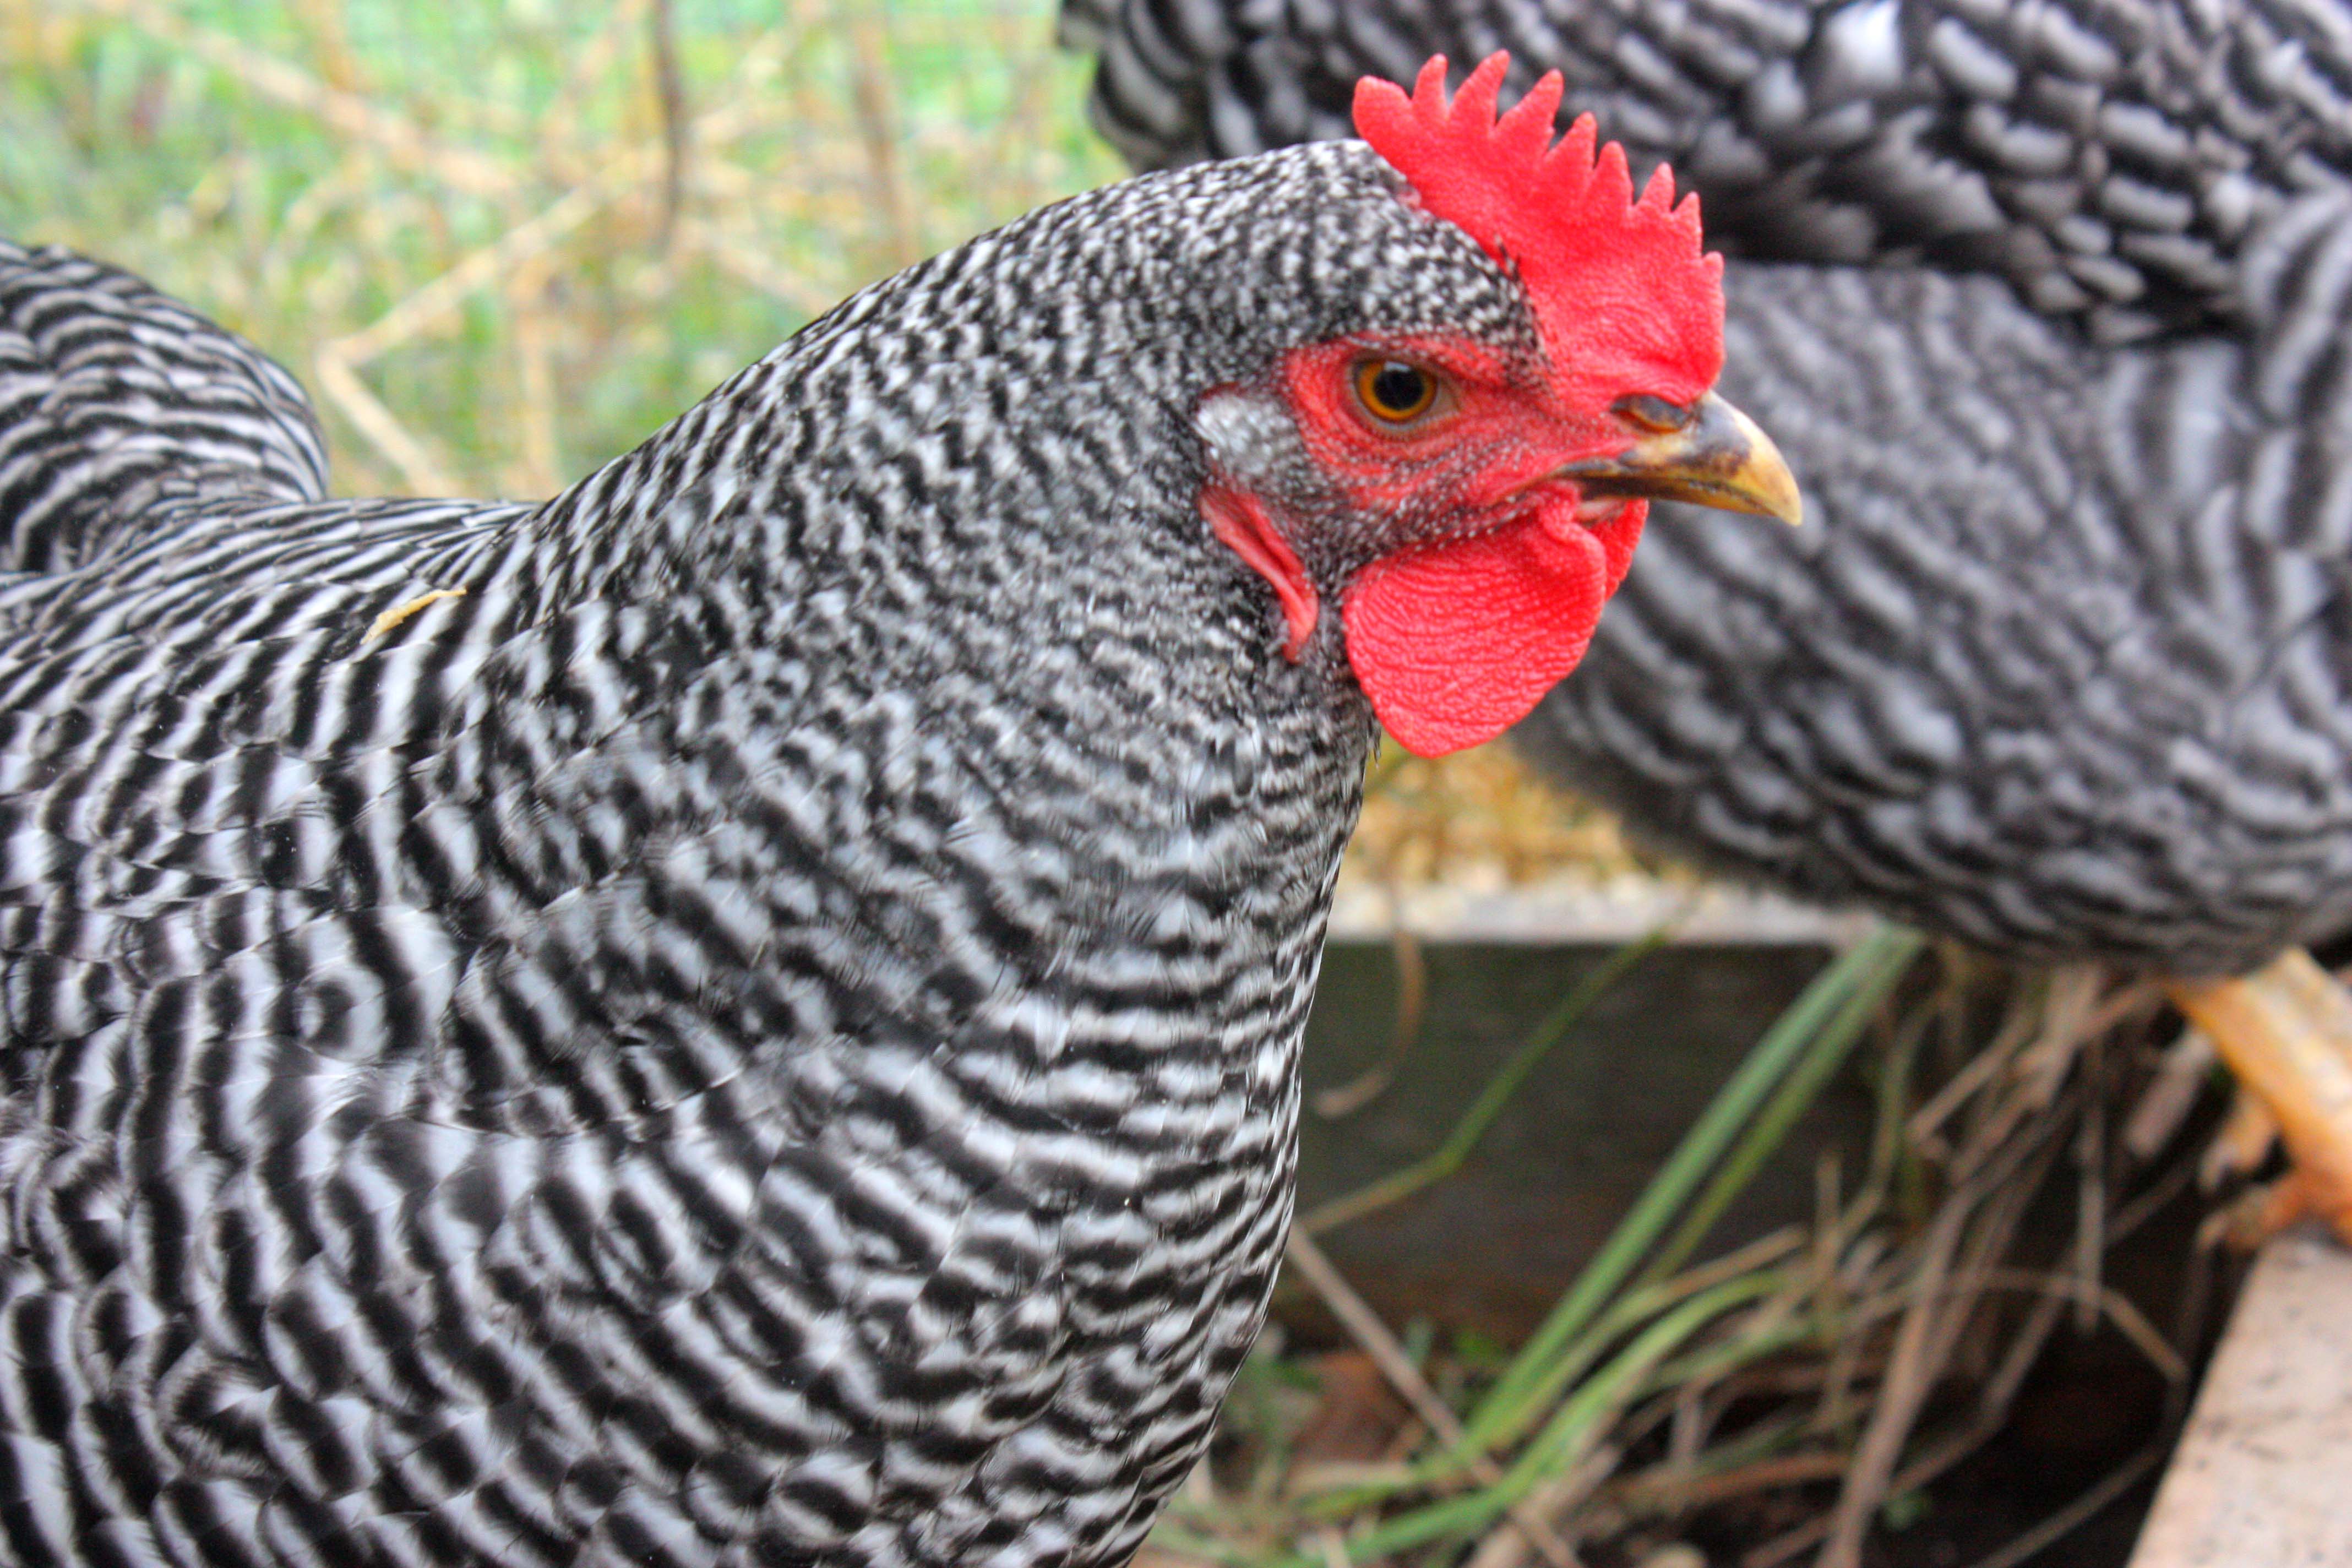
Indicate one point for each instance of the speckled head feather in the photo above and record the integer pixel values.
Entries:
(1620, 288)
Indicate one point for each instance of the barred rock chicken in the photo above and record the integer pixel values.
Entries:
(2051, 304)
(748, 1013)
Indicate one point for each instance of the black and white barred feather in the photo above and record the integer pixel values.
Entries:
(118, 404)
(759, 1025)
(2066, 669)
(2109, 157)
(2062, 662)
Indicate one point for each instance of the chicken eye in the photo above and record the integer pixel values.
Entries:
(1393, 391)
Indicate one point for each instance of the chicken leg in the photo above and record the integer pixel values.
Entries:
(2286, 1032)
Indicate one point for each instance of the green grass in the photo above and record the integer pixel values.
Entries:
(299, 168)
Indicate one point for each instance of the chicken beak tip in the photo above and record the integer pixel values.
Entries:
(1760, 478)
(1719, 458)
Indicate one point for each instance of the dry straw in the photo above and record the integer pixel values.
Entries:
(1851, 1363)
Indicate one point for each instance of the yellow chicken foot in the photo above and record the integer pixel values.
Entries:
(2285, 1030)
(2244, 1140)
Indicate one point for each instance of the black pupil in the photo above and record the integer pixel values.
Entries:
(1398, 388)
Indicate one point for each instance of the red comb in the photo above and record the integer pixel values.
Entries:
(1606, 274)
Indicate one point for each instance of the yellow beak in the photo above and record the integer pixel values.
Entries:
(1719, 458)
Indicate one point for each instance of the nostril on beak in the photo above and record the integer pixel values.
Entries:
(1655, 413)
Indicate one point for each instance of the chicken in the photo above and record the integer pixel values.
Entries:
(2048, 301)
(748, 1013)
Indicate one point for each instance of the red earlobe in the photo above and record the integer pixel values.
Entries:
(1242, 524)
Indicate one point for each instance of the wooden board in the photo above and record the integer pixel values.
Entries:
(2264, 1475)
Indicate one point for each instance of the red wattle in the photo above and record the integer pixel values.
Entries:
(1454, 642)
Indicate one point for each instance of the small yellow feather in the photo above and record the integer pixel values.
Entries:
(399, 612)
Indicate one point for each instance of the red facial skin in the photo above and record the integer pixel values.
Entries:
(1496, 573)
(1455, 636)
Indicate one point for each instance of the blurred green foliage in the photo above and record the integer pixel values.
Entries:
(301, 170)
